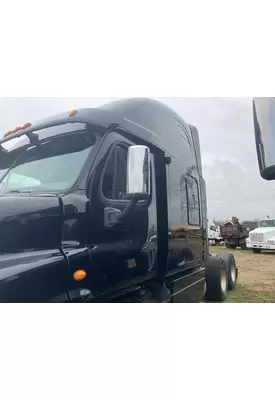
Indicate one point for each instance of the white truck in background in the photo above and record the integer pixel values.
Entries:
(214, 234)
(263, 237)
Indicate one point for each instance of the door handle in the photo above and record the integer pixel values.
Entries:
(111, 216)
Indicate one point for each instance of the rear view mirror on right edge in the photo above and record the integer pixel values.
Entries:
(264, 129)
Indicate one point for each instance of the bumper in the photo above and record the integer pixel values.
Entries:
(262, 246)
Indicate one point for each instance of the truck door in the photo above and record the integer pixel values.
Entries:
(125, 252)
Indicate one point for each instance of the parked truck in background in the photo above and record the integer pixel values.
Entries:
(214, 235)
(107, 205)
(263, 237)
(234, 235)
(250, 225)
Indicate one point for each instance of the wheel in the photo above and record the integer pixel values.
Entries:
(256, 250)
(243, 246)
(216, 279)
(232, 271)
(230, 246)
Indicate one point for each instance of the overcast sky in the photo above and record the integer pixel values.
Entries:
(234, 186)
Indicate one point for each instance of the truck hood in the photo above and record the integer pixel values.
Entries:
(262, 232)
(32, 267)
(29, 222)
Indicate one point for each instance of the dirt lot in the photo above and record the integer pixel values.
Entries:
(256, 281)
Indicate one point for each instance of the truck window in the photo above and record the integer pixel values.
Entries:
(54, 165)
(114, 177)
(185, 136)
(193, 206)
(267, 223)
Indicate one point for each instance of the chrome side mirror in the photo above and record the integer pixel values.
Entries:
(138, 173)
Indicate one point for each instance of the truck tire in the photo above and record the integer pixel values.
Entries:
(256, 250)
(216, 279)
(230, 246)
(232, 272)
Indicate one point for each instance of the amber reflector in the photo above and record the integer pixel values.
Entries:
(73, 113)
(26, 125)
(18, 128)
(79, 275)
(8, 133)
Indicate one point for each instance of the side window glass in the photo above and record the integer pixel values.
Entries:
(193, 203)
(185, 136)
(107, 182)
(120, 172)
(114, 178)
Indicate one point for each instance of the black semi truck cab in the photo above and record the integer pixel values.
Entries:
(107, 204)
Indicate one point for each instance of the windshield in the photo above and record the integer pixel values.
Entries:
(53, 165)
(267, 223)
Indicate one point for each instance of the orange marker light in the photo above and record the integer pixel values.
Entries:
(8, 133)
(26, 125)
(18, 128)
(72, 113)
(79, 275)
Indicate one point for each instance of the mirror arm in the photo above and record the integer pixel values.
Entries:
(128, 209)
(134, 199)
